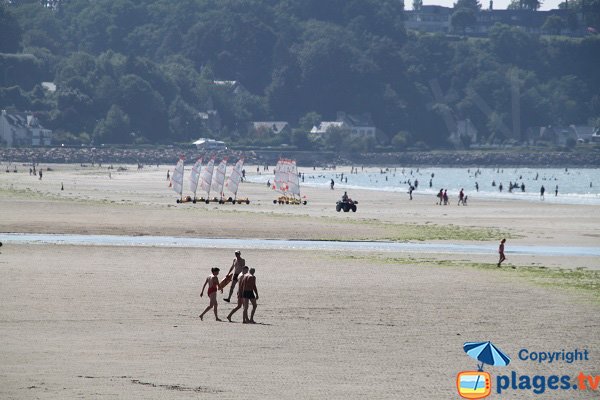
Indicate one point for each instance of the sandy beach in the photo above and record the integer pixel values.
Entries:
(122, 321)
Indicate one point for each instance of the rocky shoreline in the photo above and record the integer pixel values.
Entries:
(170, 154)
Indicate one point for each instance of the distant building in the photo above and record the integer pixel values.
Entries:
(22, 129)
(234, 87)
(49, 86)
(437, 19)
(429, 19)
(270, 127)
(356, 125)
(558, 135)
(583, 133)
(210, 144)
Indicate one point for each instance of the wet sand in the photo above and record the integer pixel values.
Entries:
(122, 322)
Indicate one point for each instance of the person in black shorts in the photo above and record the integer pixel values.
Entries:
(250, 295)
(240, 300)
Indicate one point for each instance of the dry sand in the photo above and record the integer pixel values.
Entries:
(122, 322)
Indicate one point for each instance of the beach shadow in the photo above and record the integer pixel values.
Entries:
(241, 323)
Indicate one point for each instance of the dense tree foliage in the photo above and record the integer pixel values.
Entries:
(158, 71)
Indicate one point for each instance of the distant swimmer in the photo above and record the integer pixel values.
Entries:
(501, 252)
(213, 285)
(477, 186)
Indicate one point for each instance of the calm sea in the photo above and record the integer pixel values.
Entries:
(575, 185)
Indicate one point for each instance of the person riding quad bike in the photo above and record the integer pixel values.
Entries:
(346, 204)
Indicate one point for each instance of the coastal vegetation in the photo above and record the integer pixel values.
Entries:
(159, 72)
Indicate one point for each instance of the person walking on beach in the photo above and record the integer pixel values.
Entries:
(168, 174)
(440, 196)
(237, 267)
(501, 252)
(213, 284)
(445, 197)
(461, 197)
(250, 295)
(240, 301)
(332, 184)
(542, 190)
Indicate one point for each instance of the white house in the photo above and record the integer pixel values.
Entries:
(356, 125)
(22, 129)
(210, 144)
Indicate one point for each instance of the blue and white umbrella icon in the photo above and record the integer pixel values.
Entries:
(487, 353)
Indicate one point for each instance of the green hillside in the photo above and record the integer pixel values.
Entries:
(133, 71)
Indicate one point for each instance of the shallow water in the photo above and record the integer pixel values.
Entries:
(268, 244)
(573, 183)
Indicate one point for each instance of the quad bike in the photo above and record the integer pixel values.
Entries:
(346, 205)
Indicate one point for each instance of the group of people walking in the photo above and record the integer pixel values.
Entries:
(241, 276)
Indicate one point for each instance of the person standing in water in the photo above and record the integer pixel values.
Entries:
(542, 190)
(213, 284)
(501, 252)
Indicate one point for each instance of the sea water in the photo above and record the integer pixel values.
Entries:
(575, 185)
(274, 244)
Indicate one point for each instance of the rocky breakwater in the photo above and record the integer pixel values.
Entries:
(110, 155)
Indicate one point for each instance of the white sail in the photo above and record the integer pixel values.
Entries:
(177, 178)
(293, 179)
(206, 176)
(195, 176)
(280, 180)
(218, 179)
(236, 176)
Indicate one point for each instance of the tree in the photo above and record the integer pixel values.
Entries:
(114, 128)
(462, 19)
(309, 120)
(532, 5)
(473, 5)
(553, 25)
(10, 31)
